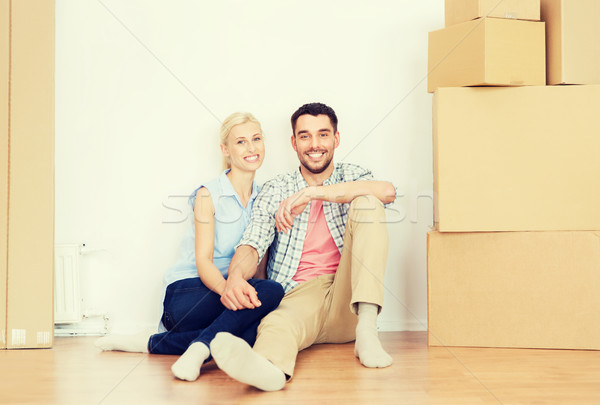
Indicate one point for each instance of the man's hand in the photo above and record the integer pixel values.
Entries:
(239, 294)
(290, 208)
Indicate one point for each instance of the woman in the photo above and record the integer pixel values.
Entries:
(193, 313)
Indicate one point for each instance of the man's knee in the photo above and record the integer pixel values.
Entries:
(277, 318)
(366, 208)
(282, 324)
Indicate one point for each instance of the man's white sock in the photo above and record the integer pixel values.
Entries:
(137, 343)
(367, 346)
(187, 367)
(236, 358)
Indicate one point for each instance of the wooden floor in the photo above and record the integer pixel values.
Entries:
(76, 372)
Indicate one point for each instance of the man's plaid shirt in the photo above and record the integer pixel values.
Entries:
(287, 247)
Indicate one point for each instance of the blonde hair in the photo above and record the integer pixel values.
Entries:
(233, 120)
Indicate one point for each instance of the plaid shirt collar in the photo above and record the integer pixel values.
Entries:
(333, 179)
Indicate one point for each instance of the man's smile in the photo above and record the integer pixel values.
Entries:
(316, 155)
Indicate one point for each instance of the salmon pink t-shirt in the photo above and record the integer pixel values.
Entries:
(320, 254)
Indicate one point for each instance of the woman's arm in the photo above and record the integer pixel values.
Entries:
(204, 224)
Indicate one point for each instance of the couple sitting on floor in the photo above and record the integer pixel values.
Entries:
(321, 229)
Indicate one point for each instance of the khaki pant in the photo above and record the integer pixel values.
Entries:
(323, 310)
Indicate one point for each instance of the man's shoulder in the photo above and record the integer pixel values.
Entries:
(281, 180)
(274, 190)
(350, 171)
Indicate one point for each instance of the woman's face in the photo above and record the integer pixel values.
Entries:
(245, 147)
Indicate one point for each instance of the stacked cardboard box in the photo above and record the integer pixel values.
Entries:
(487, 50)
(515, 258)
(572, 32)
(458, 11)
(27, 173)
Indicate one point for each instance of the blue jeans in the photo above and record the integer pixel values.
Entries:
(194, 313)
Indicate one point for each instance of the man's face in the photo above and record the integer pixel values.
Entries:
(314, 141)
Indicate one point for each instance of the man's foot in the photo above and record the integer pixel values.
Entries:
(187, 367)
(367, 346)
(137, 343)
(237, 359)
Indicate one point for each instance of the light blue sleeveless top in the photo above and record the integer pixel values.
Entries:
(231, 219)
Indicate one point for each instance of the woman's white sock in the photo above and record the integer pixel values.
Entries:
(187, 367)
(137, 343)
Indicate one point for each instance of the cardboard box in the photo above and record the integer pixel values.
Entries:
(573, 45)
(516, 159)
(487, 52)
(514, 289)
(458, 11)
(27, 170)
(4, 94)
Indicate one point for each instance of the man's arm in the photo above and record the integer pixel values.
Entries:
(348, 191)
(339, 193)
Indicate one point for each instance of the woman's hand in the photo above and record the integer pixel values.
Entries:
(239, 294)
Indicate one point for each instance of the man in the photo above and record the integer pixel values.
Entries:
(327, 225)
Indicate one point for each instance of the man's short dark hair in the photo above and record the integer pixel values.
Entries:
(315, 109)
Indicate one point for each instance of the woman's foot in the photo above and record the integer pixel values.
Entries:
(187, 367)
(137, 343)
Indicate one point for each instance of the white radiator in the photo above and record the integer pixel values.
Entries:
(67, 292)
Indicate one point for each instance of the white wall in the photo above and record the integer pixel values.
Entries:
(142, 84)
